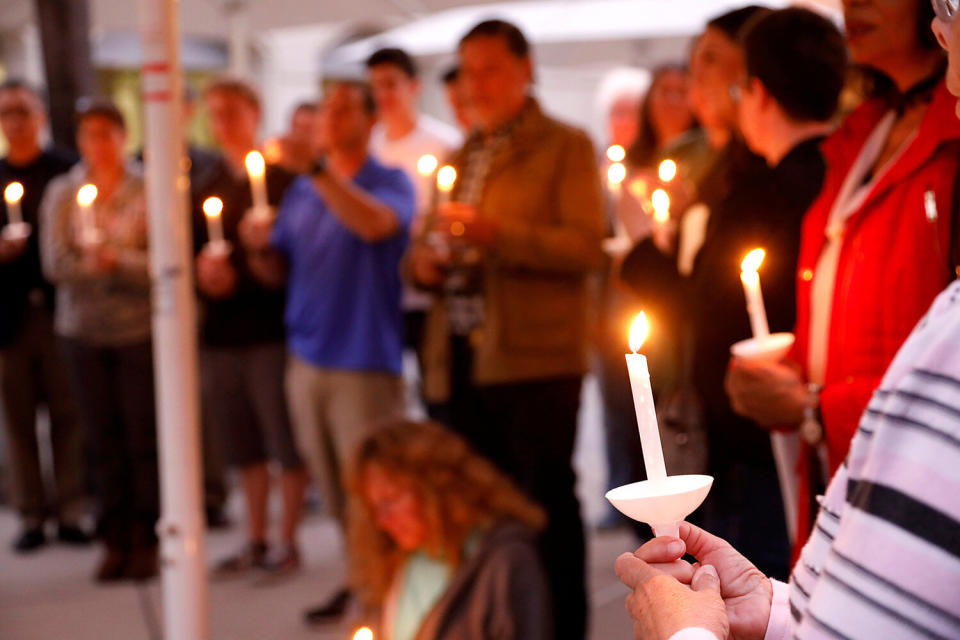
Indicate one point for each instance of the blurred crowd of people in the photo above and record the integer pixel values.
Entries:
(509, 257)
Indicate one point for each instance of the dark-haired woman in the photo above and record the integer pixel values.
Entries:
(875, 243)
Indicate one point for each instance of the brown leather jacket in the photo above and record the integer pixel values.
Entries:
(544, 194)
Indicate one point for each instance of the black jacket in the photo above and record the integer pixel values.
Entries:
(751, 205)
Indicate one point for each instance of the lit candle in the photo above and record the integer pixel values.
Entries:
(643, 403)
(363, 633)
(667, 170)
(12, 194)
(660, 200)
(89, 234)
(256, 169)
(212, 208)
(751, 289)
(446, 179)
(616, 174)
(616, 153)
(427, 164)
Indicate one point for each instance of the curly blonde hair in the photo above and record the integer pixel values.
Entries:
(460, 490)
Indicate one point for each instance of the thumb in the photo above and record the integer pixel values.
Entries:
(705, 579)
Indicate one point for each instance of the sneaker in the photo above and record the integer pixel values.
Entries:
(72, 534)
(331, 610)
(30, 539)
(217, 518)
(282, 562)
(252, 556)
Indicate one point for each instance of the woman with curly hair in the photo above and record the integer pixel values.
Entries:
(442, 544)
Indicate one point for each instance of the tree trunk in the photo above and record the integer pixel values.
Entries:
(65, 36)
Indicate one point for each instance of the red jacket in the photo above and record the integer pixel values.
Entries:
(893, 263)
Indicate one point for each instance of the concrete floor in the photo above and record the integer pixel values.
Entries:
(49, 595)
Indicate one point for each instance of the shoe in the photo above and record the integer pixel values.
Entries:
(252, 556)
(282, 562)
(217, 518)
(112, 565)
(331, 610)
(72, 534)
(141, 564)
(29, 540)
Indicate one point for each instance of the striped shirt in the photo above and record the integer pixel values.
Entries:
(884, 558)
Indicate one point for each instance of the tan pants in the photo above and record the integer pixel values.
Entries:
(332, 412)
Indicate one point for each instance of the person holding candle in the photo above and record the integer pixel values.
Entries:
(103, 322)
(751, 203)
(401, 137)
(507, 337)
(442, 542)
(336, 245)
(873, 250)
(27, 340)
(243, 352)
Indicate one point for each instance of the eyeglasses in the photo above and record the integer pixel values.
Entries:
(946, 10)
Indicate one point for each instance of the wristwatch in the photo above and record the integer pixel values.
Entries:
(319, 166)
(811, 429)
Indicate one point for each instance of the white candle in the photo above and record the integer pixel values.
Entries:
(12, 194)
(88, 226)
(427, 164)
(616, 174)
(212, 208)
(256, 170)
(751, 289)
(660, 200)
(667, 170)
(616, 153)
(446, 179)
(643, 403)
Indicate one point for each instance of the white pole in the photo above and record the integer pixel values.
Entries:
(174, 328)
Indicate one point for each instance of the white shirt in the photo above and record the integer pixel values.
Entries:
(429, 136)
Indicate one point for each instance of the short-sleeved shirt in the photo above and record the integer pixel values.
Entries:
(254, 313)
(343, 293)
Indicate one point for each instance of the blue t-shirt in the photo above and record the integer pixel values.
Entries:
(343, 293)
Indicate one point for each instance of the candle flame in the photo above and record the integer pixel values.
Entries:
(86, 195)
(639, 331)
(616, 174)
(13, 193)
(661, 205)
(427, 164)
(752, 262)
(667, 170)
(255, 163)
(446, 178)
(616, 153)
(363, 633)
(212, 207)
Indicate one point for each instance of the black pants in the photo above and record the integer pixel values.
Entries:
(528, 429)
(114, 390)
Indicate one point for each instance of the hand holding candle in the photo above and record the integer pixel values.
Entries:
(751, 289)
(256, 170)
